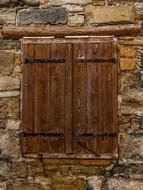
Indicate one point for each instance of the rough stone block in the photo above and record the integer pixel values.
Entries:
(131, 41)
(69, 187)
(110, 14)
(10, 44)
(17, 70)
(76, 20)
(3, 185)
(44, 181)
(127, 64)
(35, 168)
(83, 170)
(44, 3)
(2, 124)
(4, 2)
(137, 177)
(130, 79)
(99, 2)
(7, 94)
(74, 8)
(14, 3)
(32, 2)
(69, 183)
(131, 147)
(9, 83)
(139, 10)
(127, 169)
(124, 123)
(6, 61)
(0, 32)
(95, 183)
(19, 169)
(127, 51)
(132, 108)
(130, 124)
(4, 168)
(17, 64)
(17, 58)
(122, 184)
(9, 145)
(132, 103)
(53, 15)
(10, 108)
(62, 2)
(13, 124)
(7, 16)
(133, 95)
(27, 186)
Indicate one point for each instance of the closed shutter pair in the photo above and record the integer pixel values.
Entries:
(69, 97)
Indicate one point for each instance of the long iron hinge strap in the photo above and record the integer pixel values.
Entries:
(50, 60)
(87, 134)
(44, 134)
(99, 60)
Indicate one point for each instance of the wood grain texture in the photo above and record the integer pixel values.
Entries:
(95, 97)
(45, 105)
(76, 99)
(116, 30)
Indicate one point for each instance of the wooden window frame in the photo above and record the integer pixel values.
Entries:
(72, 156)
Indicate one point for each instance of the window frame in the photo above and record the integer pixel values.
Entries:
(67, 41)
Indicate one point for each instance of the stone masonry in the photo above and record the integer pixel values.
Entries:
(18, 173)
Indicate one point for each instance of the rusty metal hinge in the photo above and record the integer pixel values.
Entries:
(50, 60)
(99, 60)
(87, 134)
(44, 134)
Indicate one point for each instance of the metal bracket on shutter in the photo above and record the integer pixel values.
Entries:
(93, 134)
(50, 60)
(99, 60)
(44, 134)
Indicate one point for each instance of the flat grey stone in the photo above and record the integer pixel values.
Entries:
(7, 16)
(4, 2)
(31, 2)
(52, 16)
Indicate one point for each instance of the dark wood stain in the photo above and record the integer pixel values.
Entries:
(70, 98)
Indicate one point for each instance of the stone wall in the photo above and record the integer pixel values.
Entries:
(18, 173)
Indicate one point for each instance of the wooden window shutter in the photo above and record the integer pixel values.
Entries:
(45, 101)
(95, 98)
(69, 101)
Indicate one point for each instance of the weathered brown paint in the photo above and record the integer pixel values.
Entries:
(94, 104)
(70, 97)
(119, 30)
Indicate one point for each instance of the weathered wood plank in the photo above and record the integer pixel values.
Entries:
(94, 98)
(118, 30)
(43, 98)
(71, 98)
